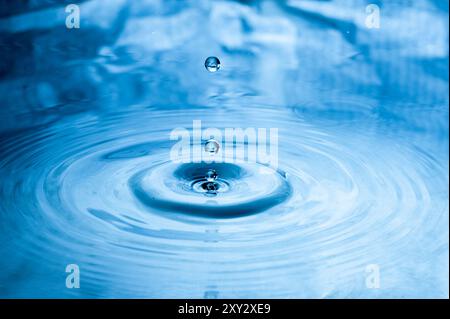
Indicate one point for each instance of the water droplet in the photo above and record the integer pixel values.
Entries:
(212, 146)
(211, 175)
(212, 64)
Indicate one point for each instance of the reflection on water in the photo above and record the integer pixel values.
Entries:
(362, 175)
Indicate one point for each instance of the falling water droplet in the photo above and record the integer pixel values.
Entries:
(211, 175)
(212, 64)
(212, 146)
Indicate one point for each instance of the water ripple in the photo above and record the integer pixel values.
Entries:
(109, 191)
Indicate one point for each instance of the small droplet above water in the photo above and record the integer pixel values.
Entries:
(211, 175)
(212, 64)
(212, 146)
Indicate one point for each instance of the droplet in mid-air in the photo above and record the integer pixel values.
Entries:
(212, 64)
(211, 175)
(212, 146)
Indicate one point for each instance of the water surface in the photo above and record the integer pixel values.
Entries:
(362, 176)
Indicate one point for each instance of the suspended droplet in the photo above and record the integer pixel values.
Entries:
(212, 64)
(212, 146)
(211, 175)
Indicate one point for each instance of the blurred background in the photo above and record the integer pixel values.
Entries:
(288, 53)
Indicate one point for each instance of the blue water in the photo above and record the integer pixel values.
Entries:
(362, 181)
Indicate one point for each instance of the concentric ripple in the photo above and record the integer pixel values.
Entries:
(239, 190)
(103, 195)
